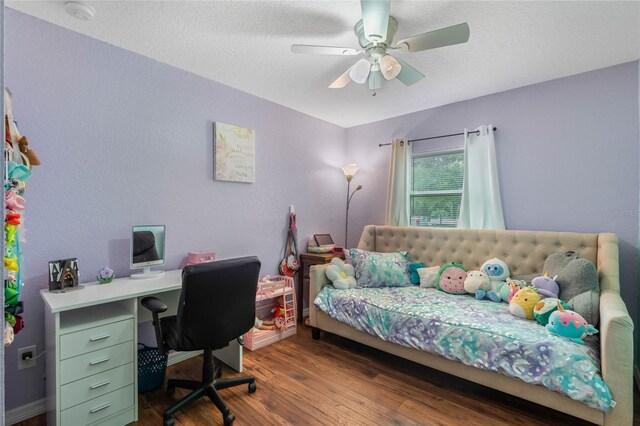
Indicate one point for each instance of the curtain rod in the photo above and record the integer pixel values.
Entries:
(477, 132)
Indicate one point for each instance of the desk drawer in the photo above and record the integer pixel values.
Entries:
(92, 339)
(95, 362)
(94, 386)
(98, 408)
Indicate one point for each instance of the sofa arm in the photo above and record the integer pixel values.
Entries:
(317, 280)
(616, 356)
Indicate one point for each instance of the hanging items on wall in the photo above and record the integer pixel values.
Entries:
(289, 265)
(18, 158)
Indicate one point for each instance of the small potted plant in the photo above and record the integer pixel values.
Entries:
(105, 276)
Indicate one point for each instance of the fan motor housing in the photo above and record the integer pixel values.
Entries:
(358, 29)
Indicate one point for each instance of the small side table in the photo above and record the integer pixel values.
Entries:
(306, 260)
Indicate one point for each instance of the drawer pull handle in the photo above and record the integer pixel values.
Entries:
(100, 408)
(96, 338)
(99, 385)
(99, 361)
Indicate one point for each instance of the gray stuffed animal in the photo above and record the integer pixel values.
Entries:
(578, 282)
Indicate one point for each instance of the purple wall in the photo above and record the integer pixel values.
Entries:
(568, 157)
(127, 140)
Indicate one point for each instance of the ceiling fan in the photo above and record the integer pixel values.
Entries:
(375, 33)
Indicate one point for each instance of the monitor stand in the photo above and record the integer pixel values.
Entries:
(146, 273)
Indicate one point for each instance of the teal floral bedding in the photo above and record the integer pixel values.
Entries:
(481, 334)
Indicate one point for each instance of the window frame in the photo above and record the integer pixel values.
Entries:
(435, 153)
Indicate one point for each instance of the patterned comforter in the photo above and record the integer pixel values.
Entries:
(481, 334)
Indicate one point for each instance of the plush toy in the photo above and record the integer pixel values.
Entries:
(105, 275)
(341, 274)
(498, 272)
(547, 286)
(569, 324)
(523, 302)
(278, 313)
(8, 335)
(451, 278)
(513, 286)
(261, 324)
(546, 307)
(477, 283)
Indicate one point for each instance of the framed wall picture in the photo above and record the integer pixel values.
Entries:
(234, 153)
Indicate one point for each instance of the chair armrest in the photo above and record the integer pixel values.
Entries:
(317, 280)
(156, 306)
(616, 355)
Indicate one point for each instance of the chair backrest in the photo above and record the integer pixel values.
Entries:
(217, 303)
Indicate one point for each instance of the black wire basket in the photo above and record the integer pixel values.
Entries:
(151, 368)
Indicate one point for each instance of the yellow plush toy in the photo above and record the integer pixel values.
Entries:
(523, 302)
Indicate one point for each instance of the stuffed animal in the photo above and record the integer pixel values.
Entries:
(547, 286)
(569, 324)
(498, 272)
(451, 278)
(261, 324)
(545, 308)
(477, 283)
(513, 286)
(341, 274)
(278, 313)
(523, 302)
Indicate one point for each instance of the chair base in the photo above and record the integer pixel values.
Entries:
(209, 387)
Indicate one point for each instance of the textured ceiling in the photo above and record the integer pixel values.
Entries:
(246, 45)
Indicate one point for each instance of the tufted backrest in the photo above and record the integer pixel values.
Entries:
(523, 251)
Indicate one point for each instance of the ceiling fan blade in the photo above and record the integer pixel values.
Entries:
(323, 50)
(375, 18)
(341, 81)
(439, 38)
(408, 74)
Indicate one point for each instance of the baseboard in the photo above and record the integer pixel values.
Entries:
(176, 357)
(636, 375)
(24, 412)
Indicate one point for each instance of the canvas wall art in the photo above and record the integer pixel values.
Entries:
(234, 153)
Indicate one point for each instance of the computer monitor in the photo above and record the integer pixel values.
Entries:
(147, 250)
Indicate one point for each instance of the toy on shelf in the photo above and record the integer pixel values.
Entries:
(275, 312)
(106, 275)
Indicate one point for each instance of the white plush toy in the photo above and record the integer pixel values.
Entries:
(498, 272)
(477, 280)
(341, 274)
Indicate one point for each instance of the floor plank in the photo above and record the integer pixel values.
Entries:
(335, 381)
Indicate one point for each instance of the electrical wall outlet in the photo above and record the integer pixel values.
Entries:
(24, 354)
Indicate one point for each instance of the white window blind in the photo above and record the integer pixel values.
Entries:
(436, 188)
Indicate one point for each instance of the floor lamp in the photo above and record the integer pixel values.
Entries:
(350, 171)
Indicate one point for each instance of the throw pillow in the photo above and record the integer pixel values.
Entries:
(578, 282)
(413, 272)
(429, 276)
(381, 269)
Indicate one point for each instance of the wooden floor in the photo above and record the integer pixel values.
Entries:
(334, 381)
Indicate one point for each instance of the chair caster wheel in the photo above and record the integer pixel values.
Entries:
(168, 421)
(228, 419)
(170, 391)
(252, 387)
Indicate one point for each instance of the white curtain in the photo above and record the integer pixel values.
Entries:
(481, 206)
(398, 191)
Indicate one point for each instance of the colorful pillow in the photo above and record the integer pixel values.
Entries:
(381, 269)
(413, 272)
(429, 276)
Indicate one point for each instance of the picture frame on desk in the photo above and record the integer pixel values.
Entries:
(63, 275)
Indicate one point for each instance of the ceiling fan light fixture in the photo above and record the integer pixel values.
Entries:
(360, 71)
(375, 78)
(389, 67)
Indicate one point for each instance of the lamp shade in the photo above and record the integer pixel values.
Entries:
(360, 71)
(350, 170)
(389, 67)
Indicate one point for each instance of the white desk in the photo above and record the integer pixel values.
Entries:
(91, 338)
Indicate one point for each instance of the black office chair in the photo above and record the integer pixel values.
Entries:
(217, 305)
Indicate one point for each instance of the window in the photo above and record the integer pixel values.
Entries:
(436, 188)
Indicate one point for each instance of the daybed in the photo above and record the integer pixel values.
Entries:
(525, 252)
